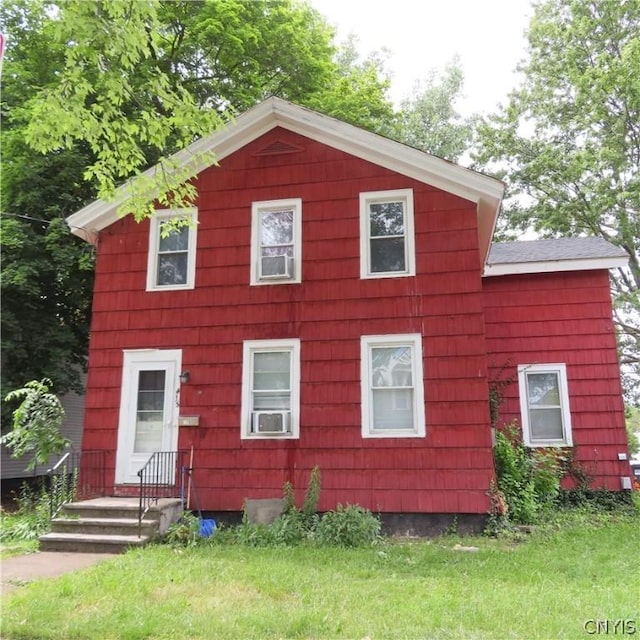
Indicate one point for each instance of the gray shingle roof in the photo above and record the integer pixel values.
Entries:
(552, 250)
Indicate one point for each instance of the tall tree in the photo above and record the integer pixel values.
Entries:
(46, 272)
(357, 93)
(428, 119)
(568, 141)
(104, 88)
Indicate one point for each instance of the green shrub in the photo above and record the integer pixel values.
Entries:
(598, 499)
(185, 532)
(529, 479)
(31, 519)
(350, 526)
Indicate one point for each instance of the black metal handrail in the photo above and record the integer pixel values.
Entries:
(162, 476)
(78, 475)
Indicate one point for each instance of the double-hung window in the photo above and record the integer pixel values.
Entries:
(387, 247)
(544, 405)
(392, 386)
(276, 249)
(271, 389)
(172, 250)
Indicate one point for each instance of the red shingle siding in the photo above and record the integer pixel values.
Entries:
(448, 471)
(563, 317)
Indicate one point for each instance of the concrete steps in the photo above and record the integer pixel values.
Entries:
(108, 525)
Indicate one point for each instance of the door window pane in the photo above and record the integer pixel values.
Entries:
(149, 412)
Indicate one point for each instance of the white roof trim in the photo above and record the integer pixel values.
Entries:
(548, 266)
(485, 191)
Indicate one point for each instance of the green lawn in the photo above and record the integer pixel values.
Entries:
(547, 586)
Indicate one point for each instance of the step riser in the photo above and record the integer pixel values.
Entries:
(77, 526)
(105, 512)
(87, 547)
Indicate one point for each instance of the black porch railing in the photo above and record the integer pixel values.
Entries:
(163, 476)
(78, 475)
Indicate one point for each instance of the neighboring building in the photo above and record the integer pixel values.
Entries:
(337, 302)
(16, 468)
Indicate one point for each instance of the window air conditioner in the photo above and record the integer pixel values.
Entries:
(271, 422)
(276, 267)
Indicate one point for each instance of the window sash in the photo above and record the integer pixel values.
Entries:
(392, 386)
(171, 263)
(386, 234)
(271, 381)
(276, 231)
(544, 401)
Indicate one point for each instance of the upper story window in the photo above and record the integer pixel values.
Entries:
(392, 386)
(172, 250)
(276, 241)
(387, 247)
(544, 405)
(271, 389)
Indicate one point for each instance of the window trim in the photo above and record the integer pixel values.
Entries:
(250, 347)
(560, 370)
(259, 207)
(369, 197)
(155, 223)
(367, 343)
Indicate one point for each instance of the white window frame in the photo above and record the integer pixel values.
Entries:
(260, 207)
(367, 344)
(371, 197)
(560, 370)
(251, 347)
(161, 216)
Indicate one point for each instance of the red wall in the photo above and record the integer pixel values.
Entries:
(447, 472)
(563, 317)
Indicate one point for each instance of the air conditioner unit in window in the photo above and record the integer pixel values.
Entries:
(276, 267)
(271, 422)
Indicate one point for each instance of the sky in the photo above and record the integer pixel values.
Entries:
(488, 35)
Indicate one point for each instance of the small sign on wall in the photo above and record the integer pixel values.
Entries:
(189, 421)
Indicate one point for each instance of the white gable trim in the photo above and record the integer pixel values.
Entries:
(485, 191)
(549, 266)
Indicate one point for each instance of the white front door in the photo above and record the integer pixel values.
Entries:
(149, 405)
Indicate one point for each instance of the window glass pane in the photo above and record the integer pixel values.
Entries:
(271, 370)
(387, 254)
(276, 227)
(546, 424)
(543, 389)
(150, 412)
(277, 250)
(386, 219)
(151, 380)
(172, 268)
(271, 401)
(393, 411)
(391, 366)
(177, 240)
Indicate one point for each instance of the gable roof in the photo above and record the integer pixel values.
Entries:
(485, 191)
(560, 254)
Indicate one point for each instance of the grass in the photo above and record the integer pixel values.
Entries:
(18, 534)
(546, 586)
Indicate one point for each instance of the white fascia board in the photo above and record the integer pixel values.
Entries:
(485, 191)
(552, 266)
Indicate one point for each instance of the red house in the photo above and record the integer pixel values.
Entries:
(338, 302)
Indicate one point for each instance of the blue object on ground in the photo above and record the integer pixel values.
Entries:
(207, 528)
